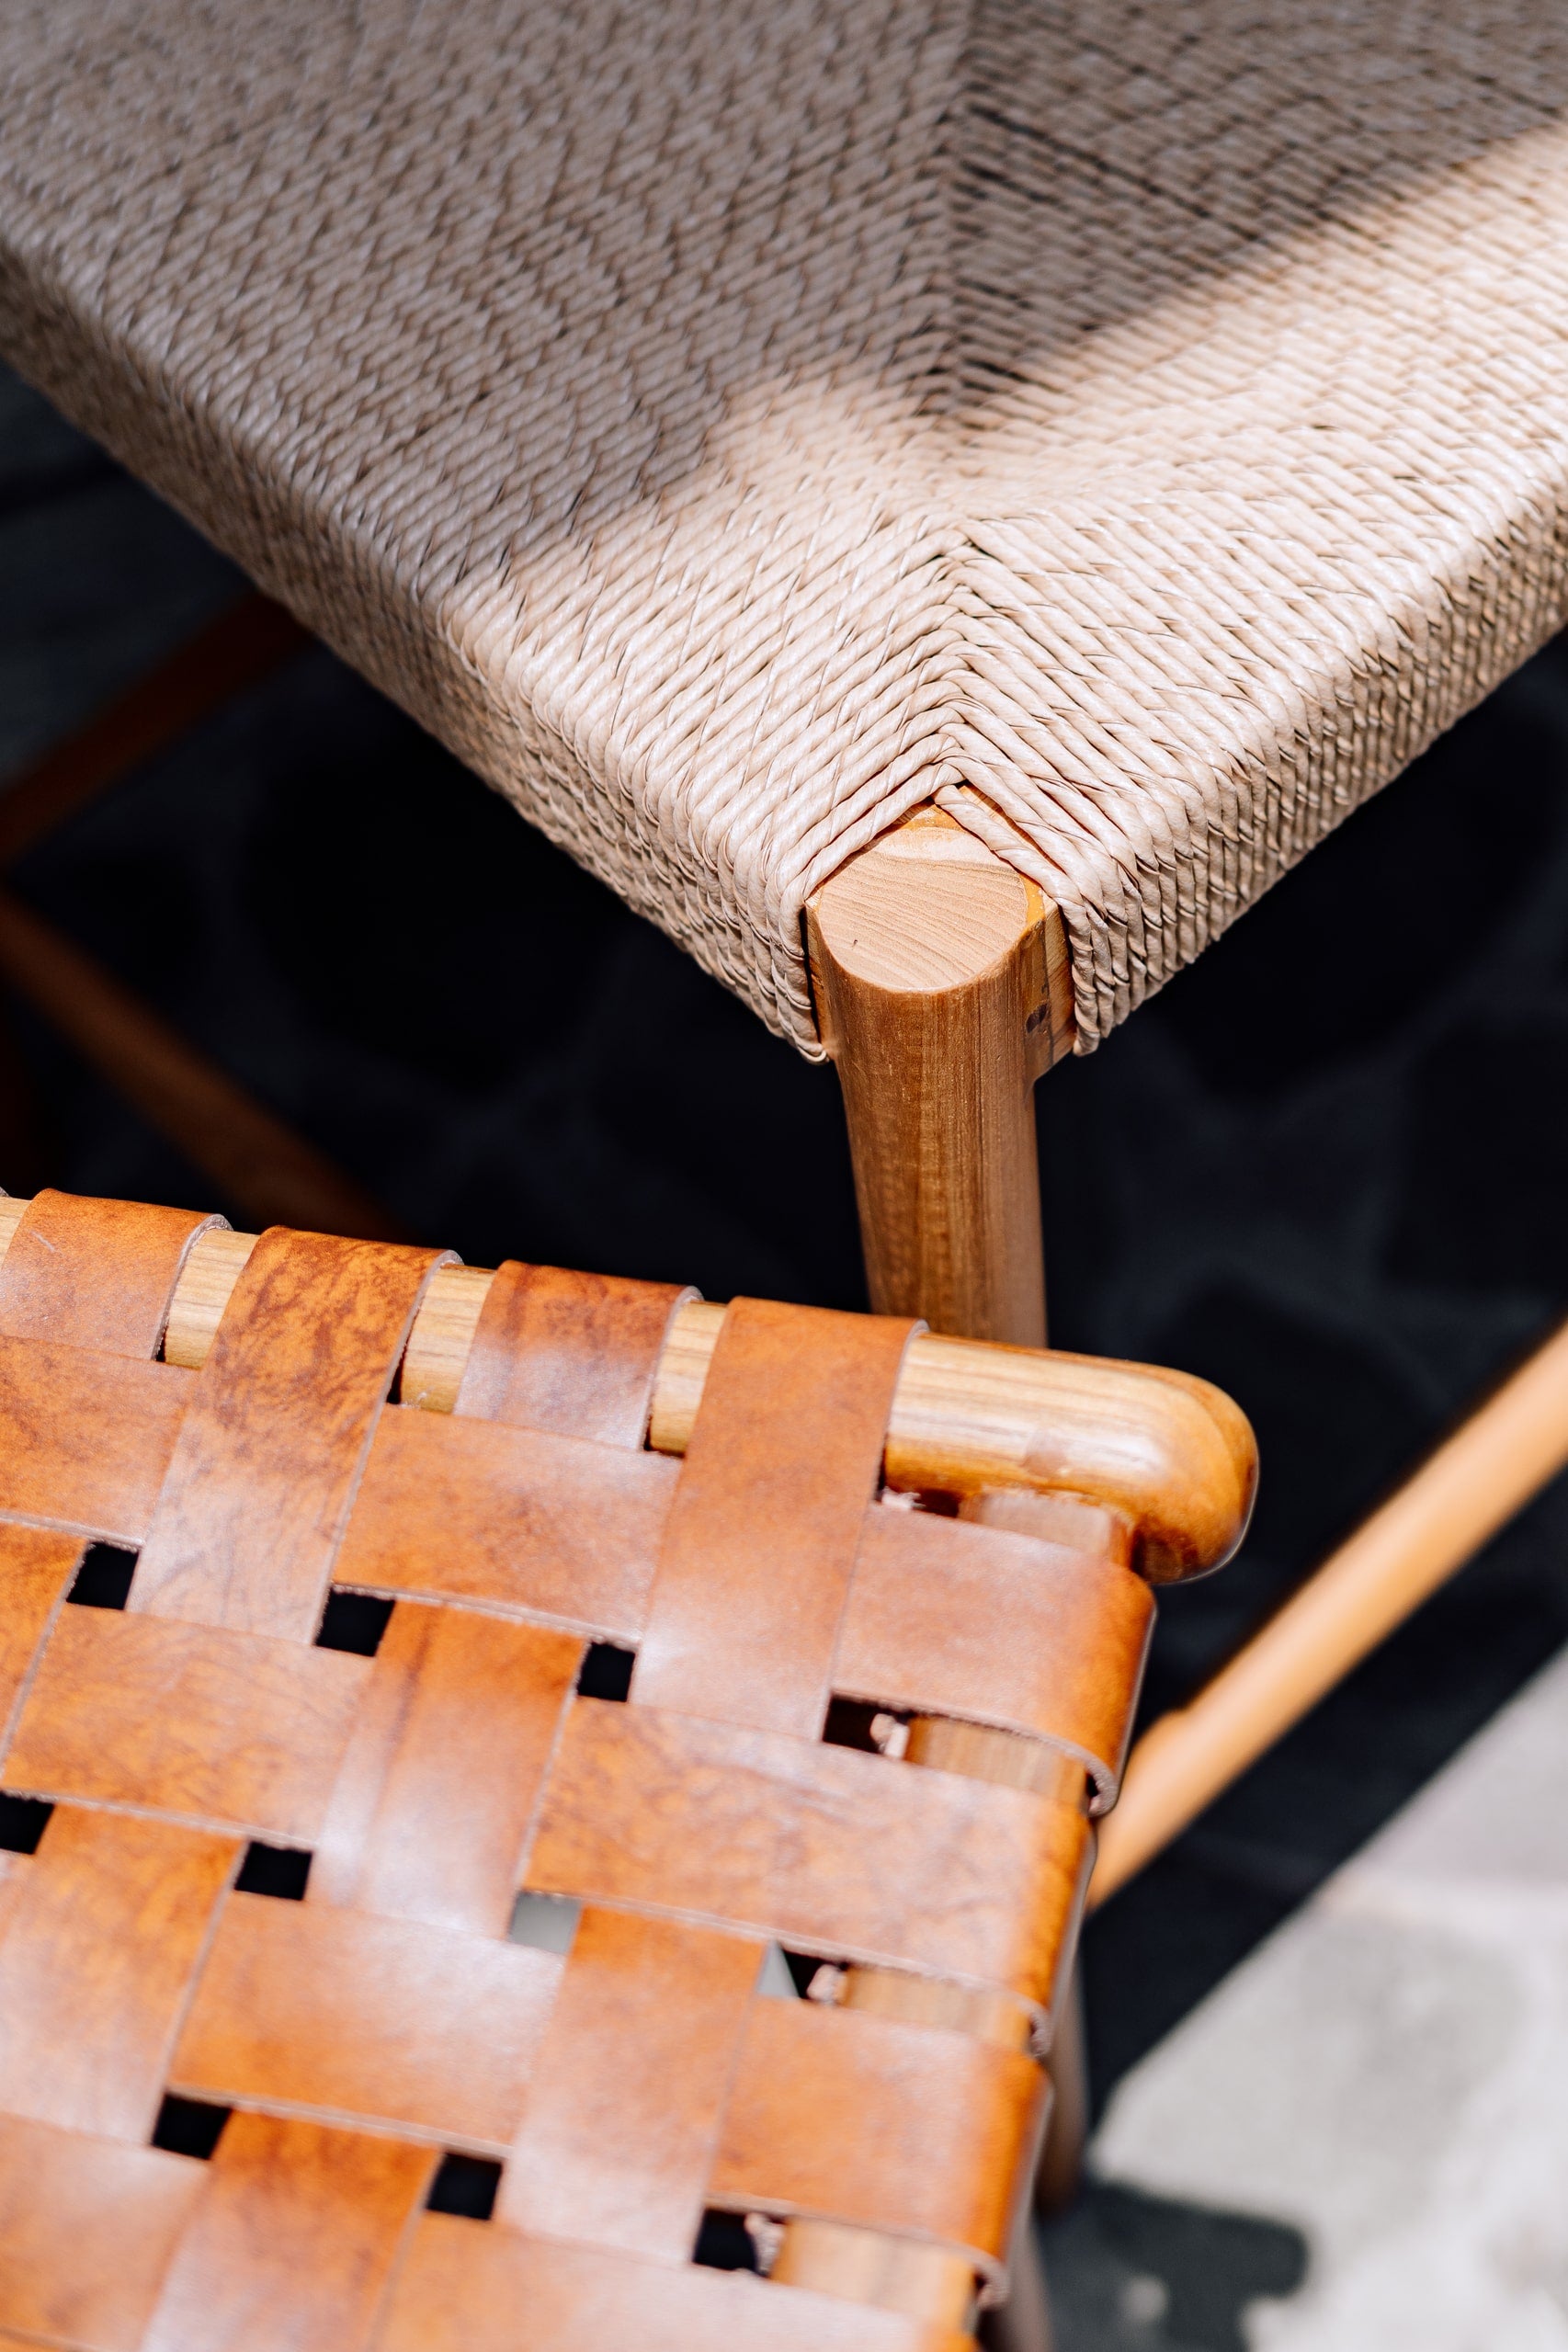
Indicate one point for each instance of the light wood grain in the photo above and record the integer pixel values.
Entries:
(443, 1333)
(942, 983)
(864, 2267)
(1167, 1454)
(1472, 1486)
(214, 1265)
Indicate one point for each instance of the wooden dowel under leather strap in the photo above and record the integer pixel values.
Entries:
(863, 2266)
(783, 1465)
(859, 2264)
(1472, 1486)
(1170, 1452)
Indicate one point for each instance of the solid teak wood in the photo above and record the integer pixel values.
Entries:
(942, 993)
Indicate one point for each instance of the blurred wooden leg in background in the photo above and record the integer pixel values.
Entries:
(260, 1167)
(1060, 2174)
(1455, 1502)
(247, 643)
(1023, 2323)
(256, 1162)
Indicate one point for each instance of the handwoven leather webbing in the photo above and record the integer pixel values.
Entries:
(389, 2020)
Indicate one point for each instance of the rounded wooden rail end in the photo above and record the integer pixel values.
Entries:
(1170, 1453)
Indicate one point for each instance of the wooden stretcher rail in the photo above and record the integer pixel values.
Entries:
(1489, 1469)
(1169, 1452)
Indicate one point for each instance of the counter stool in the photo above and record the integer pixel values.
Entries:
(450, 1720)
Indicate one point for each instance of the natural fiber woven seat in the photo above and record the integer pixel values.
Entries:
(196, 1733)
(1140, 428)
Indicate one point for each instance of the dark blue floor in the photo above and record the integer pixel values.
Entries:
(1326, 1168)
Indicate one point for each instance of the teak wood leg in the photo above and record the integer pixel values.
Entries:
(1023, 2323)
(942, 983)
(1455, 1502)
(1060, 2173)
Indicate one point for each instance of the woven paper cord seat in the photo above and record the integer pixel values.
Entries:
(1141, 428)
(174, 1732)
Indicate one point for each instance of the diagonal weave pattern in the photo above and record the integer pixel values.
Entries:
(1143, 427)
(392, 2018)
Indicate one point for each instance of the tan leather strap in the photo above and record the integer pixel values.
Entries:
(573, 1354)
(36, 1570)
(220, 1729)
(759, 1546)
(947, 1618)
(94, 1273)
(86, 1438)
(833, 2113)
(464, 2283)
(274, 1439)
(292, 2240)
(821, 1848)
(89, 2228)
(78, 1274)
(100, 1949)
(628, 2100)
(305, 2006)
(469, 1509)
(449, 1749)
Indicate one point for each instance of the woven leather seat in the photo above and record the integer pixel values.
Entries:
(1143, 428)
(182, 1734)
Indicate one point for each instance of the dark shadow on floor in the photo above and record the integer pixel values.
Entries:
(1133, 2273)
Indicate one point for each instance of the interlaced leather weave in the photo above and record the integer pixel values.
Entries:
(390, 2020)
(730, 423)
